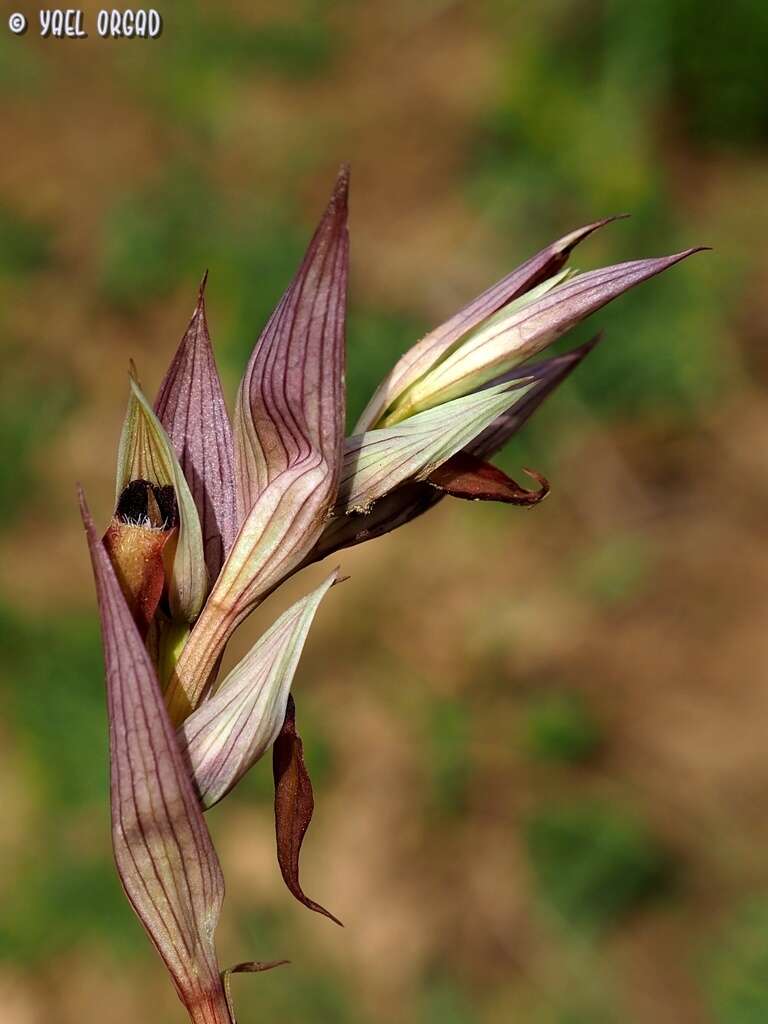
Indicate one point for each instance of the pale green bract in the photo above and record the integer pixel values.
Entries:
(146, 453)
(486, 352)
(233, 729)
(378, 461)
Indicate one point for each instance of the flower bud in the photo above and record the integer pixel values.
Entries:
(450, 363)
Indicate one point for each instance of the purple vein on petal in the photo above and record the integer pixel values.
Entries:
(417, 360)
(549, 375)
(164, 855)
(191, 407)
(231, 730)
(290, 406)
(535, 324)
(411, 500)
(289, 436)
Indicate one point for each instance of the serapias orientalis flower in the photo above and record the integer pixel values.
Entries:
(212, 515)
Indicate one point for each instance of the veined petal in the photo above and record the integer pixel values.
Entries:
(420, 396)
(146, 453)
(511, 338)
(190, 405)
(231, 730)
(434, 346)
(164, 855)
(290, 405)
(411, 500)
(380, 460)
(548, 375)
(289, 432)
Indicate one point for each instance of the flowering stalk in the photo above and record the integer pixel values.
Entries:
(211, 517)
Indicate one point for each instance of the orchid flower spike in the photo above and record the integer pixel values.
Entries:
(212, 515)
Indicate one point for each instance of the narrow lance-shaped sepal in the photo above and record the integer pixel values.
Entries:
(548, 376)
(413, 499)
(164, 854)
(231, 731)
(378, 461)
(289, 432)
(523, 329)
(190, 405)
(423, 395)
(146, 453)
(434, 346)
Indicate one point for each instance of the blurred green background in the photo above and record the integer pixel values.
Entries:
(538, 740)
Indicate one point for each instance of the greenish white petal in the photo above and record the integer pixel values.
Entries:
(486, 352)
(379, 460)
(230, 731)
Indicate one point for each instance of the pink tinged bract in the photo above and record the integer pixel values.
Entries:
(190, 405)
(427, 352)
(548, 375)
(532, 324)
(230, 731)
(289, 433)
(378, 461)
(164, 854)
(411, 500)
(423, 395)
(291, 401)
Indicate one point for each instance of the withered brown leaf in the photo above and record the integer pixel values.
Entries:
(465, 476)
(294, 804)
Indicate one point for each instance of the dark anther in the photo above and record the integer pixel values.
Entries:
(142, 501)
(132, 504)
(166, 502)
